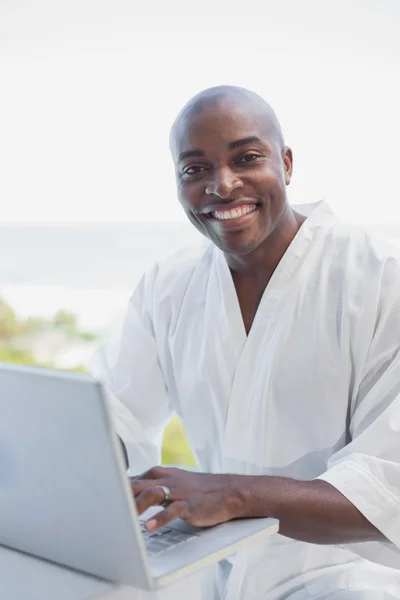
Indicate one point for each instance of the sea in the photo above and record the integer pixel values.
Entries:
(90, 269)
(87, 269)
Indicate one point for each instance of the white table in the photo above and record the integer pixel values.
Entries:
(24, 577)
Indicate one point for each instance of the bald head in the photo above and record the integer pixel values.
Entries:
(225, 98)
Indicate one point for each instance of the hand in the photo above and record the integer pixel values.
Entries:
(200, 499)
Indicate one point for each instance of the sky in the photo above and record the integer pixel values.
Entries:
(89, 90)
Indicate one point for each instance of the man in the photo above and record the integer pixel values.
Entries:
(278, 346)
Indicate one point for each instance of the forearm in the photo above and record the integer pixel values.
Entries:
(310, 511)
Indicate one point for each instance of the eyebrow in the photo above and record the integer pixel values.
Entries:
(190, 154)
(252, 139)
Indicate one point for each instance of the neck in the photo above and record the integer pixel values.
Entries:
(262, 262)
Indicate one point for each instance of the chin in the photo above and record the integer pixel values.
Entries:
(239, 247)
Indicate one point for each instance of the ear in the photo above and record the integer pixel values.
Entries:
(287, 157)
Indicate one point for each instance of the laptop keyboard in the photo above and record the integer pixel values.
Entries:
(165, 538)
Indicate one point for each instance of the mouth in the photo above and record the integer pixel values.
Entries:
(234, 214)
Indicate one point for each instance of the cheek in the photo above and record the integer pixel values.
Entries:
(272, 180)
(199, 225)
(183, 200)
(190, 196)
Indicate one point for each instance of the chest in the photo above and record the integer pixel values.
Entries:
(276, 401)
(249, 295)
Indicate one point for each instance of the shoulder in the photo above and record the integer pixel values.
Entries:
(369, 268)
(345, 248)
(362, 251)
(171, 277)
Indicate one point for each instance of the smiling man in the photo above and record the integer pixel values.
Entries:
(277, 343)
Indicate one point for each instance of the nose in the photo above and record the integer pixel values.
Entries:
(224, 183)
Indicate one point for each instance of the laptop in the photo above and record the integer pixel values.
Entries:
(65, 495)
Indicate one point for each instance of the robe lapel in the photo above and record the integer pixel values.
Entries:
(249, 354)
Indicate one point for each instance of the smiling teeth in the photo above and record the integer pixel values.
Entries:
(234, 213)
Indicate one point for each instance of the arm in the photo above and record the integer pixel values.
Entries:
(310, 511)
(129, 368)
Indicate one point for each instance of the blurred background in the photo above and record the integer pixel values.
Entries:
(88, 92)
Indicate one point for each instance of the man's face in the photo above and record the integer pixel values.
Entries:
(232, 174)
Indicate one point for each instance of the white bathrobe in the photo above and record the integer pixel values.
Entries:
(312, 392)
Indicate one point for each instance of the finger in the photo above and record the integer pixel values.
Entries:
(153, 473)
(172, 511)
(139, 486)
(150, 496)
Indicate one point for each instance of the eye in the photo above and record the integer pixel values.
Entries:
(193, 170)
(249, 157)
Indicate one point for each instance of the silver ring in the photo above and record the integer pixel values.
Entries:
(167, 493)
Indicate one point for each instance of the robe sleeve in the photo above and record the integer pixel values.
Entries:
(367, 470)
(129, 368)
